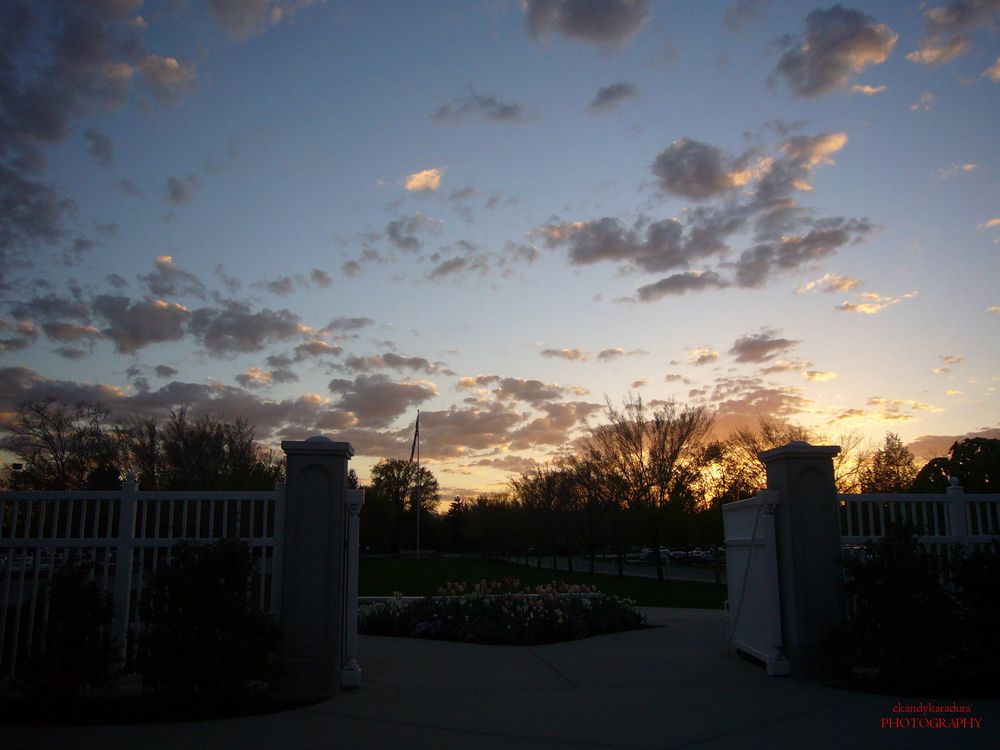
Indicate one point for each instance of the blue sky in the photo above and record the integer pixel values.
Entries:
(322, 216)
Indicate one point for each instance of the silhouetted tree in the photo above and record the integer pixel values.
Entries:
(975, 462)
(655, 457)
(61, 446)
(892, 467)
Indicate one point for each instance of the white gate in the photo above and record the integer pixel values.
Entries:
(752, 570)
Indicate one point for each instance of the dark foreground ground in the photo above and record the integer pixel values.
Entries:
(673, 686)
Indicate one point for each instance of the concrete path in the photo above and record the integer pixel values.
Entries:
(674, 686)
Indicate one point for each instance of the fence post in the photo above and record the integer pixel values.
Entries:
(123, 562)
(350, 674)
(313, 565)
(958, 517)
(807, 529)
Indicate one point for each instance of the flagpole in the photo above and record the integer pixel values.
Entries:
(417, 491)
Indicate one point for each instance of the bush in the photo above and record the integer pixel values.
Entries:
(922, 622)
(78, 650)
(502, 612)
(202, 640)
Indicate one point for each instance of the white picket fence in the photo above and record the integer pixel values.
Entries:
(124, 536)
(955, 518)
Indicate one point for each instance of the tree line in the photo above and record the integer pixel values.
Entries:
(647, 477)
(79, 446)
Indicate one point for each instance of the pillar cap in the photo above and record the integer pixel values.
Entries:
(799, 449)
(317, 445)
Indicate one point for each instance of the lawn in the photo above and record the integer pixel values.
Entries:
(385, 576)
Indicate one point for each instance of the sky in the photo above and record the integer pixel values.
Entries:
(324, 216)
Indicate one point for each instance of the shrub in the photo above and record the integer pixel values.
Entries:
(502, 612)
(78, 650)
(201, 639)
(922, 622)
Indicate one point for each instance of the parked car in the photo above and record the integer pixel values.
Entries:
(647, 554)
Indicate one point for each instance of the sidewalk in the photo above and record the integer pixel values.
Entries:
(673, 686)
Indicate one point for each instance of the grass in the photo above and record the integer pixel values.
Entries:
(385, 576)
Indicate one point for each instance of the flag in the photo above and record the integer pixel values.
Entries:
(416, 437)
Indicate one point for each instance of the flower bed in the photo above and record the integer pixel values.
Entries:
(503, 612)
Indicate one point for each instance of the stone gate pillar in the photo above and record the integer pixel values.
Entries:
(807, 531)
(313, 568)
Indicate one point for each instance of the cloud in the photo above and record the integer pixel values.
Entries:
(52, 307)
(133, 326)
(756, 265)
(426, 181)
(883, 410)
(838, 43)
(993, 72)
(957, 169)
(702, 356)
(609, 23)
(680, 283)
(232, 328)
(377, 401)
(924, 103)
(661, 247)
(741, 14)
(128, 187)
(480, 106)
(948, 30)
(321, 278)
(165, 371)
(609, 97)
(530, 391)
(348, 324)
(169, 79)
(554, 427)
(33, 213)
(390, 361)
(760, 347)
(931, 446)
(740, 401)
(573, 355)
(509, 463)
(180, 190)
(696, 170)
(244, 19)
(867, 90)
(450, 267)
(607, 355)
(993, 309)
(784, 365)
(456, 431)
(315, 348)
(254, 378)
(58, 331)
(24, 334)
(873, 303)
(989, 224)
(753, 193)
(830, 282)
(282, 286)
(168, 280)
(819, 376)
(100, 147)
(402, 232)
